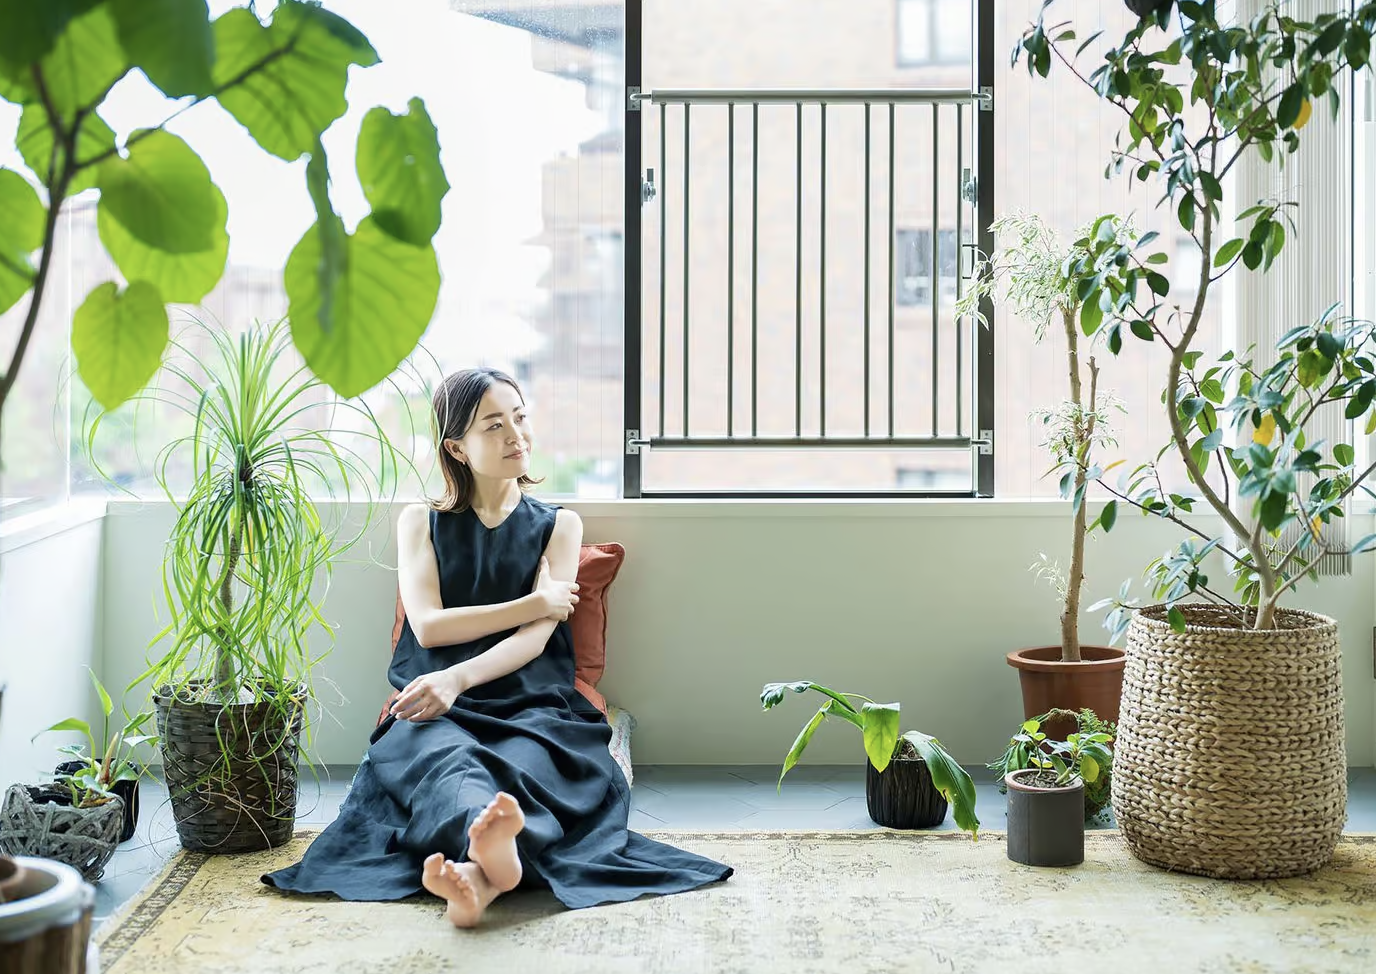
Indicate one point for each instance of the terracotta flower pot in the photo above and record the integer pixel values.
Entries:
(1046, 826)
(1096, 682)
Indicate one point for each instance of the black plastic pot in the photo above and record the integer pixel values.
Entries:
(902, 796)
(128, 791)
(1046, 826)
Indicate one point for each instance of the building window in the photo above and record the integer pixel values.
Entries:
(913, 275)
(933, 32)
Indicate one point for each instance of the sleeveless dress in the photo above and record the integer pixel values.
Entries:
(529, 733)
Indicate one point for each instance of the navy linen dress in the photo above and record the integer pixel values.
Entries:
(529, 733)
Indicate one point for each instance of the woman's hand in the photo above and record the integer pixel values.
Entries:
(429, 696)
(557, 599)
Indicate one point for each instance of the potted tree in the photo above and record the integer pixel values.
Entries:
(246, 571)
(1022, 753)
(81, 817)
(910, 778)
(1210, 675)
(1029, 270)
(1046, 800)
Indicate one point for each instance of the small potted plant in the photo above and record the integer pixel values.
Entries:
(1019, 756)
(1046, 801)
(910, 778)
(80, 817)
(1029, 272)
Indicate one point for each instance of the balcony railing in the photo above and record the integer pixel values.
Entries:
(857, 306)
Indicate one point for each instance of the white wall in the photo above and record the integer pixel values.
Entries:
(50, 627)
(910, 601)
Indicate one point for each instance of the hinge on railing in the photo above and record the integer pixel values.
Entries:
(985, 98)
(634, 443)
(985, 443)
(633, 98)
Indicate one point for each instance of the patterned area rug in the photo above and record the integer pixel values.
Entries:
(799, 902)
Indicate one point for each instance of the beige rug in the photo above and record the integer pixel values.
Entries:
(854, 902)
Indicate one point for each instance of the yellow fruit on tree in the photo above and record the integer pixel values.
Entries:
(1266, 431)
(1306, 109)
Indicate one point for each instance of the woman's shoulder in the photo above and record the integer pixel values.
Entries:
(414, 520)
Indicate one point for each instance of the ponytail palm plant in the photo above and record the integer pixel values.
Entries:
(269, 450)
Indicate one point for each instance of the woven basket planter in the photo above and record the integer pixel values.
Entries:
(1230, 760)
(83, 838)
(230, 771)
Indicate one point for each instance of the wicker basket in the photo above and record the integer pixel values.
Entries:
(83, 838)
(1230, 760)
(230, 771)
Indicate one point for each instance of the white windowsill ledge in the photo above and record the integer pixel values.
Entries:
(27, 529)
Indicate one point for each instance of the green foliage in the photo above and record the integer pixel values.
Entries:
(160, 216)
(399, 167)
(22, 217)
(116, 336)
(108, 760)
(350, 348)
(247, 566)
(1237, 425)
(1030, 748)
(878, 724)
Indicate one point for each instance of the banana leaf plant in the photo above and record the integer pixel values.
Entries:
(879, 723)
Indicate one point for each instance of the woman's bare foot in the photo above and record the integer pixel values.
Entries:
(462, 884)
(492, 841)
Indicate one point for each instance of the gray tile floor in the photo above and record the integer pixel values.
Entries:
(691, 797)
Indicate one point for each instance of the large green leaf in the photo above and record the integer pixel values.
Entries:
(84, 63)
(805, 735)
(949, 778)
(334, 241)
(29, 28)
(381, 306)
(170, 40)
(118, 340)
(35, 143)
(399, 167)
(162, 193)
(183, 278)
(881, 732)
(22, 219)
(285, 82)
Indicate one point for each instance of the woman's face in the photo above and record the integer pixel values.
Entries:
(497, 443)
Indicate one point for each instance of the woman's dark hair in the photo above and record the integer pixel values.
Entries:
(456, 403)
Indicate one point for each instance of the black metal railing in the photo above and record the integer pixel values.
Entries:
(899, 114)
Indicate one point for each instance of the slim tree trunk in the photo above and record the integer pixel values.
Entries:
(226, 680)
(1070, 612)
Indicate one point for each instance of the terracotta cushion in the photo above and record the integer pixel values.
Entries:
(598, 565)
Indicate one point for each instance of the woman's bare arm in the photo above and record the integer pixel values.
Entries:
(419, 580)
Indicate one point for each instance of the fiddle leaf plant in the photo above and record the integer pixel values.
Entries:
(1197, 101)
(879, 726)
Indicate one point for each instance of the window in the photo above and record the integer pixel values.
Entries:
(933, 32)
(530, 250)
(1185, 265)
(913, 277)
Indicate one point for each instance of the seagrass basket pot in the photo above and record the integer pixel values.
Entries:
(1230, 760)
(231, 769)
(36, 822)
